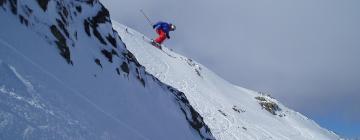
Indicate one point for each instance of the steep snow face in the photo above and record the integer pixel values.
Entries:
(65, 74)
(231, 112)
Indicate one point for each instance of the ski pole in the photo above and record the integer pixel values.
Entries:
(147, 18)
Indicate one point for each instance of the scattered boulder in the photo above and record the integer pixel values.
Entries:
(237, 109)
(268, 105)
(263, 99)
(97, 61)
(244, 128)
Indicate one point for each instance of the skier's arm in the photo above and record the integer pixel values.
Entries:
(168, 35)
(157, 25)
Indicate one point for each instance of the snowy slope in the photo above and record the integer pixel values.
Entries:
(65, 74)
(231, 112)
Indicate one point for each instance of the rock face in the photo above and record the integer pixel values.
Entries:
(100, 91)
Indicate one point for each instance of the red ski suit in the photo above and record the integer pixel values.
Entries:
(162, 36)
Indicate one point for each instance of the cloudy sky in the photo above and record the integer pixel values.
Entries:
(306, 53)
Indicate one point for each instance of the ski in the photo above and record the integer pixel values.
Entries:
(155, 44)
(159, 46)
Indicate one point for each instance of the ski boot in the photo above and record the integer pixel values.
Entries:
(155, 44)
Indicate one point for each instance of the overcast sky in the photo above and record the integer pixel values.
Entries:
(306, 53)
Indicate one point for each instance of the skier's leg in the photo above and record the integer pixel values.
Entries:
(162, 36)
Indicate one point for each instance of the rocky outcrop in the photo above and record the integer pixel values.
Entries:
(268, 105)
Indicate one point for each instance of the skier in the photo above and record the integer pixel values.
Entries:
(162, 29)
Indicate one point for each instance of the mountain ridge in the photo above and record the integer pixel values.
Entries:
(231, 112)
(68, 72)
(69, 26)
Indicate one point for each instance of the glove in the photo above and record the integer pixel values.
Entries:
(168, 36)
(154, 26)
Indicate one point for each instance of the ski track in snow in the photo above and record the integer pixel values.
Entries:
(29, 86)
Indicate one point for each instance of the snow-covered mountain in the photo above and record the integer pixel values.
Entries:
(67, 74)
(231, 112)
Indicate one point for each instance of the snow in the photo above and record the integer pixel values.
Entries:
(42, 97)
(231, 112)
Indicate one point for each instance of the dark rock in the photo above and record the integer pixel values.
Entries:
(87, 27)
(98, 36)
(28, 11)
(63, 19)
(2, 2)
(65, 12)
(268, 105)
(76, 35)
(114, 52)
(102, 16)
(78, 8)
(142, 81)
(43, 4)
(23, 20)
(61, 43)
(139, 77)
(90, 2)
(131, 58)
(97, 61)
(239, 110)
(260, 98)
(13, 6)
(244, 128)
(125, 68)
(111, 40)
(198, 72)
(62, 27)
(118, 71)
(108, 55)
(192, 116)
